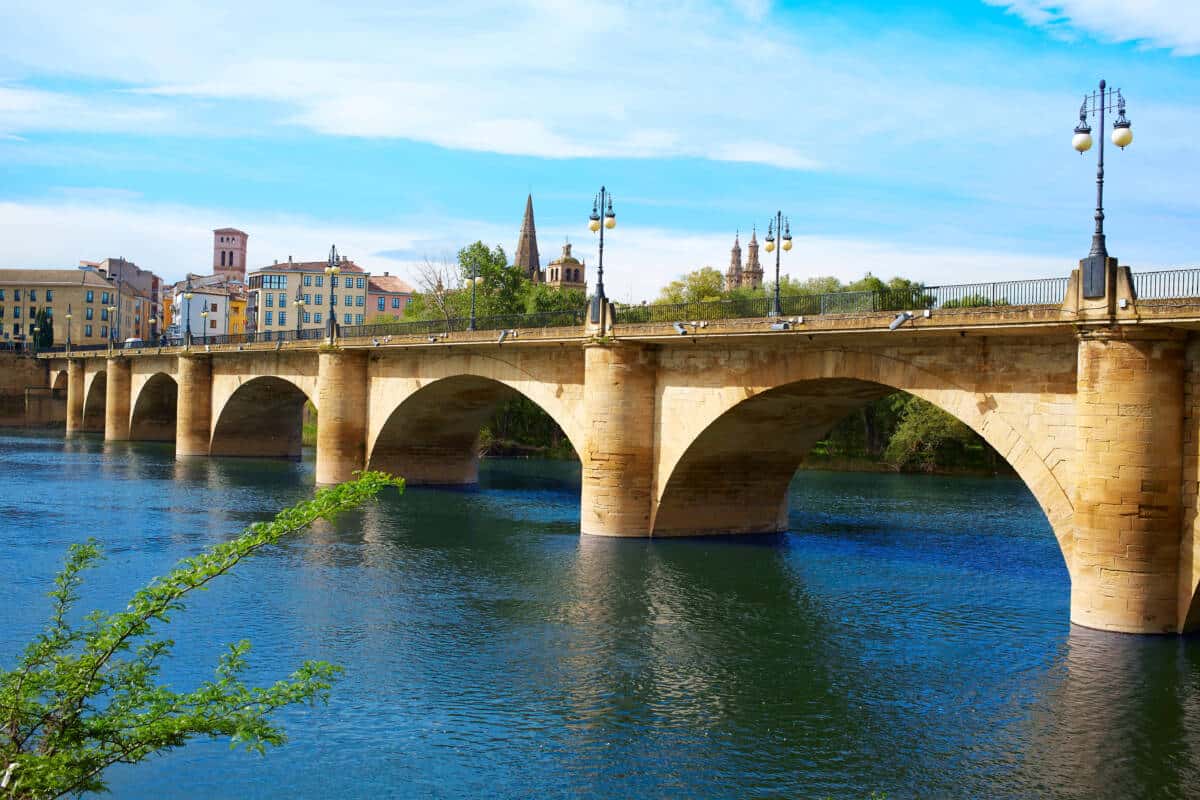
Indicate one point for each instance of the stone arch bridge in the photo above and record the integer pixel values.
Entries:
(1095, 405)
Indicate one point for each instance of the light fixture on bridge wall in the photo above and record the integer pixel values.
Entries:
(1099, 104)
(679, 328)
(901, 318)
(781, 226)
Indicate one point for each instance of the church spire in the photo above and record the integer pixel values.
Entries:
(754, 271)
(733, 276)
(527, 249)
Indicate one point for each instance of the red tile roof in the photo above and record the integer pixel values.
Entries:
(308, 266)
(387, 284)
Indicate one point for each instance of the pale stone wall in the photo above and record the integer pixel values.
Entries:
(342, 419)
(116, 399)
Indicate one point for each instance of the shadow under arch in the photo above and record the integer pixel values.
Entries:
(431, 438)
(734, 476)
(154, 410)
(95, 402)
(58, 381)
(263, 418)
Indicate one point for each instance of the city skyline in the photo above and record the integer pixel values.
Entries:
(886, 161)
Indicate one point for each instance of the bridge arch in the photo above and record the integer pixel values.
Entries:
(94, 404)
(154, 410)
(58, 380)
(729, 469)
(431, 436)
(262, 418)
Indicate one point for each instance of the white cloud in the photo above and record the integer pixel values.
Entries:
(1169, 24)
(24, 109)
(173, 240)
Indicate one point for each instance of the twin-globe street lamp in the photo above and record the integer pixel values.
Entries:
(187, 296)
(204, 325)
(781, 226)
(1098, 105)
(602, 203)
(332, 271)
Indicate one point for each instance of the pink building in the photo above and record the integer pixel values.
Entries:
(229, 253)
(387, 294)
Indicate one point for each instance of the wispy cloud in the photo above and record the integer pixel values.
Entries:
(1168, 24)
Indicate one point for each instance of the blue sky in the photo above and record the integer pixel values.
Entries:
(902, 138)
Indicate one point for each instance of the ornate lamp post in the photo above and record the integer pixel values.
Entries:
(1098, 105)
(474, 279)
(68, 329)
(112, 327)
(779, 225)
(299, 304)
(35, 330)
(601, 203)
(187, 296)
(203, 325)
(332, 271)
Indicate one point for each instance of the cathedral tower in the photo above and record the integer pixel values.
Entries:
(526, 257)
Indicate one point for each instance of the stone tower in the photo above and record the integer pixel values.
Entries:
(733, 276)
(567, 271)
(229, 253)
(752, 276)
(527, 249)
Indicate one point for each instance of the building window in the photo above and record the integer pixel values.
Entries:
(222, 256)
(1, 312)
(283, 318)
(103, 331)
(358, 300)
(270, 298)
(270, 317)
(358, 319)
(381, 303)
(1, 294)
(91, 296)
(16, 329)
(49, 295)
(214, 307)
(104, 298)
(317, 317)
(320, 281)
(346, 319)
(333, 282)
(16, 312)
(349, 300)
(33, 295)
(360, 282)
(87, 330)
(308, 299)
(212, 323)
(395, 302)
(317, 299)
(16, 294)
(308, 280)
(307, 317)
(104, 313)
(88, 312)
(282, 300)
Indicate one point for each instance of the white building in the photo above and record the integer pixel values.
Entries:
(208, 310)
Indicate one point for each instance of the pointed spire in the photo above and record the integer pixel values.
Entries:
(527, 249)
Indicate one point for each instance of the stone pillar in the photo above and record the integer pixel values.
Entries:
(193, 414)
(116, 400)
(618, 451)
(74, 396)
(341, 415)
(1129, 407)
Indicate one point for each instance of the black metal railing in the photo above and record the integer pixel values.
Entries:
(1167, 284)
(1041, 291)
(548, 319)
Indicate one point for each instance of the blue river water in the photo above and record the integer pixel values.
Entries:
(908, 637)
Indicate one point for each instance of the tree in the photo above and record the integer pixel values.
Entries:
(927, 437)
(45, 325)
(699, 286)
(82, 698)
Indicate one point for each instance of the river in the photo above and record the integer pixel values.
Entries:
(909, 637)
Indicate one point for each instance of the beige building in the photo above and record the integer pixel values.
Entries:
(275, 290)
(84, 293)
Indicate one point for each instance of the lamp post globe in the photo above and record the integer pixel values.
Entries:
(1099, 105)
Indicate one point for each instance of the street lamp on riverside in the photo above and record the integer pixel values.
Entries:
(474, 279)
(187, 313)
(203, 326)
(332, 271)
(112, 327)
(68, 328)
(1098, 105)
(601, 204)
(781, 226)
(35, 330)
(299, 304)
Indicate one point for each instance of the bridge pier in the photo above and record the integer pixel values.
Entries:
(1128, 507)
(116, 399)
(193, 416)
(74, 396)
(618, 449)
(342, 415)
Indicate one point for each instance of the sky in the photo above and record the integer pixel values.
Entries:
(929, 140)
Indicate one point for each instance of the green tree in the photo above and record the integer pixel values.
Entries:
(45, 325)
(699, 286)
(974, 301)
(84, 697)
(928, 437)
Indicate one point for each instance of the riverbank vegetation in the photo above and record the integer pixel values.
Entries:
(85, 694)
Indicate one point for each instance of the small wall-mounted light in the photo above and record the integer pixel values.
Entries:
(1123, 302)
(927, 313)
(503, 336)
(781, 326)
(682, 331)
(901, 318)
